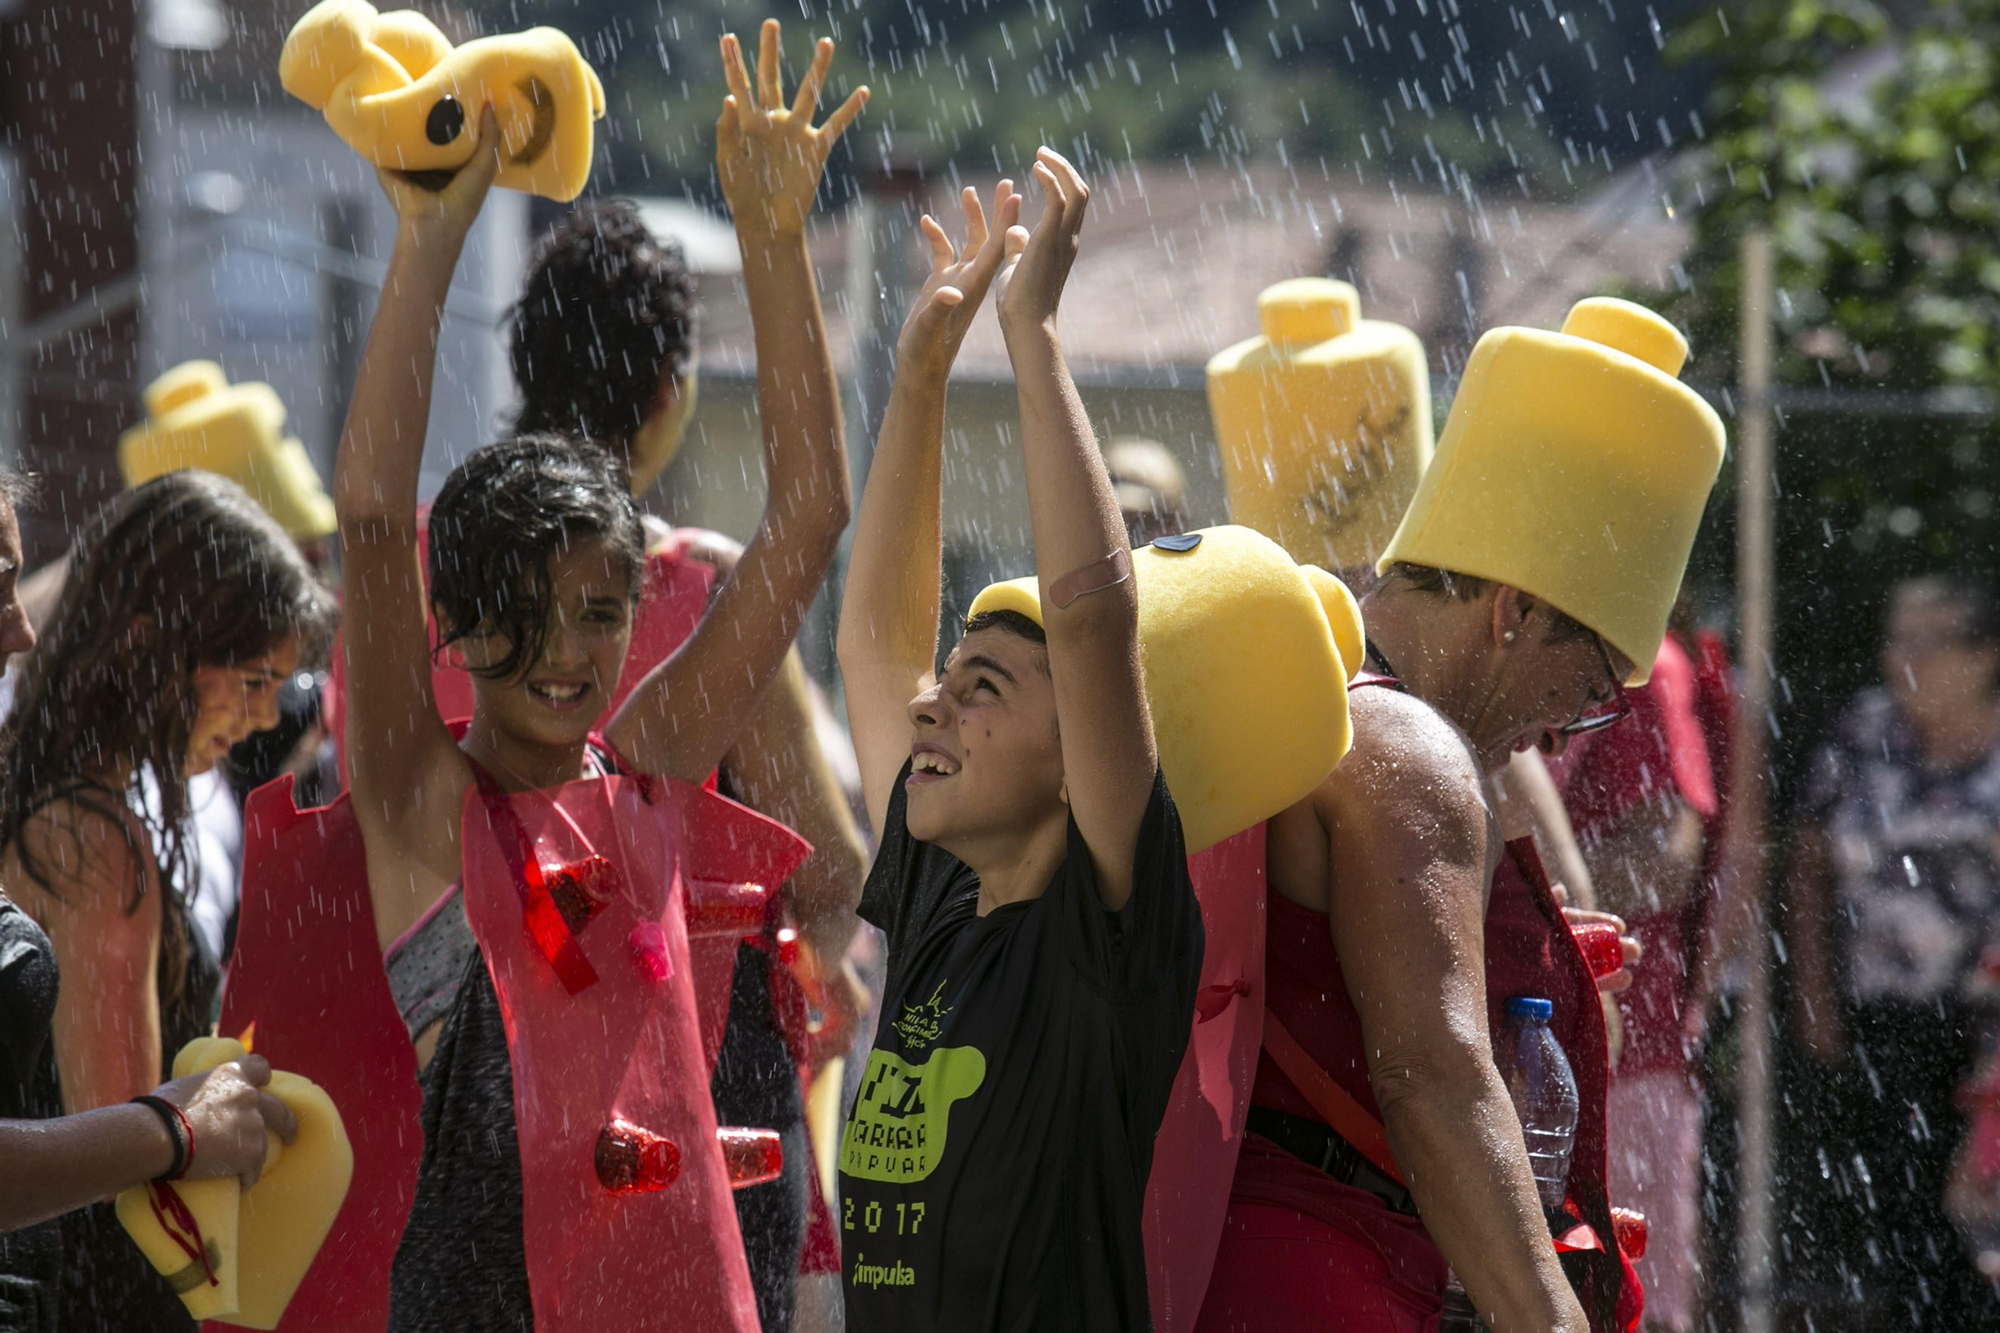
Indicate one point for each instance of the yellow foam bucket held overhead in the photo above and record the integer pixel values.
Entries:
(257, 1243)
(195, 418)
(1323, 422)
(1247, 656)
(1575, 467)
(399, 93)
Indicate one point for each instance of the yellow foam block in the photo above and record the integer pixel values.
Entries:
(1323, 422)
(260, 1242)
(1574, 466)
(1247, 658)
(195, 418)
(399, 93)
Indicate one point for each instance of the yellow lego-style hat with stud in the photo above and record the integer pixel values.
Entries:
(1323, 422)
(399, 93)
(1575, 467)
(253, 1246)
(195, 418)
(1247, 656)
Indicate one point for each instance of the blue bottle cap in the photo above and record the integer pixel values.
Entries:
(1530, 1007)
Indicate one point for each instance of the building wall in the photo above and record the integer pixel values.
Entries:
(283, 287)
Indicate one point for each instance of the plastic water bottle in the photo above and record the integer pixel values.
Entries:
(1539, 1080)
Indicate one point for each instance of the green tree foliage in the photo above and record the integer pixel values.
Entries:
(1867, 141)
(1520, 95)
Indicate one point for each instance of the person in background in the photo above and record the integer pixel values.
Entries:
(196, 419)
(1893, 896)
(1151, 488)
(186, 607)
(631, 388)
(1646, 803)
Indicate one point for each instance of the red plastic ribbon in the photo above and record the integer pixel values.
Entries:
(545, 923)
(174, 1217)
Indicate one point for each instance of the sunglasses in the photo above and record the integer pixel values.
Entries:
(1605, 715)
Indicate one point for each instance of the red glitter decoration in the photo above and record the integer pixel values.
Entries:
(751, 1156)
(1602, 949)
(580, 889)
(1630, 1229)
(720, 907)
(633, 1160)
(648, 944)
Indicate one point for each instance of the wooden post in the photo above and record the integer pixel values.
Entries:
(1750, 787)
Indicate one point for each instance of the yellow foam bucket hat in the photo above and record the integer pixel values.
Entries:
(1247, 658)
(399, 93)
(1324, 423)
(1575, 467)
(257, 1243)
(195, 418)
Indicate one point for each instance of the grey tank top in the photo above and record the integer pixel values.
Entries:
(427, 964)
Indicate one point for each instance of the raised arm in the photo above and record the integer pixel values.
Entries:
(1090, 609)
(408, 776)
(769, 157)
(1410, 858)
(889, 607)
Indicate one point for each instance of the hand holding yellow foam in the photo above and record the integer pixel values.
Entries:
(237, 1255)
(399, 93)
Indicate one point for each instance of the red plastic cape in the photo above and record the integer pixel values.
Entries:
(308, 974)
(1194, 1155)
(307, 981)
(599, 1006)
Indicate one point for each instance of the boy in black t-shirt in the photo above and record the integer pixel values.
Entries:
(1044, 941)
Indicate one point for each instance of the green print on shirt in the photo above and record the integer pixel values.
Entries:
(902, 1111)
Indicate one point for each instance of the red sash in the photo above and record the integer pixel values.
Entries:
(1194, 1154)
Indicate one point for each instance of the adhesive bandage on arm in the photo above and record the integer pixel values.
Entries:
(1096, 576)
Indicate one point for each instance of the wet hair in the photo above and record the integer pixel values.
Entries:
(1436, 582)
(1971, 597)
(501, 520)
(185, 571)
(1011, 621)
(606, 311)
(18, 488)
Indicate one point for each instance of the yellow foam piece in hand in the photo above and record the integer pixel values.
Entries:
(1323, 422)
(1575, 467)
(195, 418)
(1247, 656)
(261, 1241)
(399, 93)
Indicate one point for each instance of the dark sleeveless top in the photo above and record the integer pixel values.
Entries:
(31, 1258)
(82, 1266)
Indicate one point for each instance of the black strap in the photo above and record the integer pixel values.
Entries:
(1320, 1148)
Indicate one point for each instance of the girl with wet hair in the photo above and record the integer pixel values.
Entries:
(186, 609)
(534, 559)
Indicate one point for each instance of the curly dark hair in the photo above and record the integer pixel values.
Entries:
(503, 515)
(607, 309)
(185, 571)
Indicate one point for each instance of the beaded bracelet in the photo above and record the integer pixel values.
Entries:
(179, 1129)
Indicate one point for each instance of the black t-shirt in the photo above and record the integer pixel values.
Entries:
(994, 1163)
(30, 1258)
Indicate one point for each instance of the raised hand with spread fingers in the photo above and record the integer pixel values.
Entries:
(769, 155)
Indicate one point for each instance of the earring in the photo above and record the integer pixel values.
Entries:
(1508, 637)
